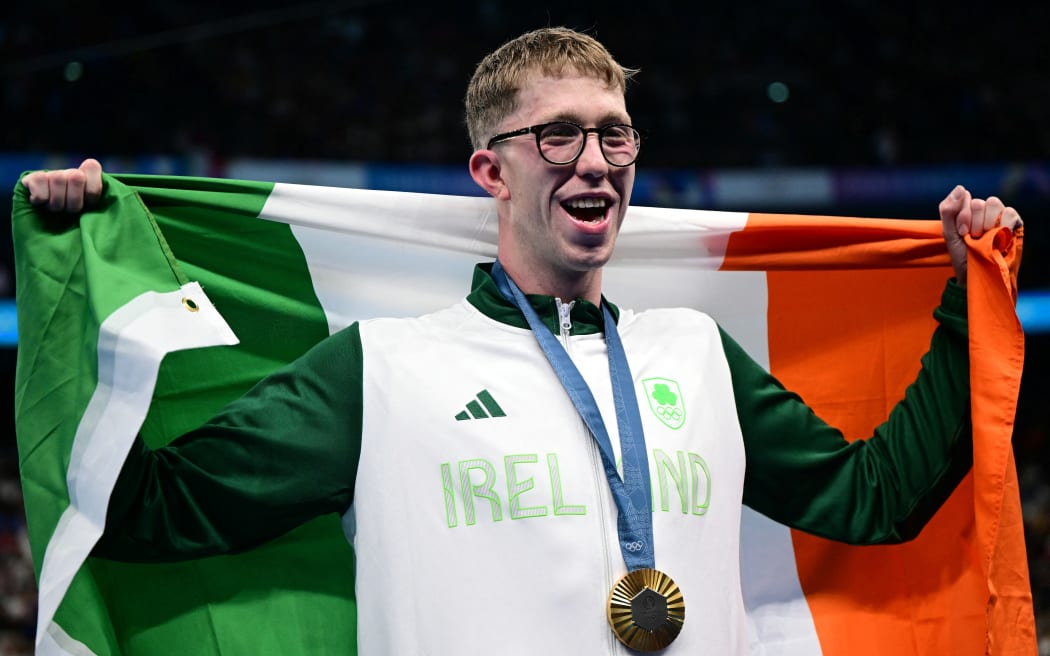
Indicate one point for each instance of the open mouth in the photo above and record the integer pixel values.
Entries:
(587, 210)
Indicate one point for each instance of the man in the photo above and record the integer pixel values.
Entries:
(448, 563)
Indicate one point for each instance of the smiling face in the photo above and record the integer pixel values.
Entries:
(558, 224)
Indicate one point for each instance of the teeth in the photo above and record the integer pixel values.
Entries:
(583, 203)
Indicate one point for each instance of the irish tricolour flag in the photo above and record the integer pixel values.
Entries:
(176, 294)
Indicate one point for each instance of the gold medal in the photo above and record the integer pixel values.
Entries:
(646, 610)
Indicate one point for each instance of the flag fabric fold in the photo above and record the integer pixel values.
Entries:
(174, 295)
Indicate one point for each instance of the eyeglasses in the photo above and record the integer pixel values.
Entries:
(562, 142)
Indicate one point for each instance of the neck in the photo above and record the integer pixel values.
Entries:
(566, 286)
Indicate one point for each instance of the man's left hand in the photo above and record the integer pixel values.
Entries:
(962, 214)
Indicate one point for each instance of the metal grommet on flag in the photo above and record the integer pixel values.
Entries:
(190, 304)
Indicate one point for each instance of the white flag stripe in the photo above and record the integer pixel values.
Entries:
(416, 251)
(360, 277)
(57, 642)
(462, 223)
(468, 224)
(778, 616)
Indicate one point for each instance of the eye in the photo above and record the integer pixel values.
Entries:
(618, 136)
(559, 133)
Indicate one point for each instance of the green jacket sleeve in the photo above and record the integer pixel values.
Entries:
(285, 452)
(802, 472)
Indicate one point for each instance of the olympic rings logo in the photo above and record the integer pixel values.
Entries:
(635, 546)
(669, 413)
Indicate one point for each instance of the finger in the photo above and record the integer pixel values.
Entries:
(950, 206)
(1012, 219)
(75, 191)
(37, 186)
(56, 181)
(955, 212)
(92, 170)
(993, 214)
(976, 223)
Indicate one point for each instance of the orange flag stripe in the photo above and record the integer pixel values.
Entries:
(996, 359)
(775, 242)
(842, 291)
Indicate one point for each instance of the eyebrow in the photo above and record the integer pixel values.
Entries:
(608, 119)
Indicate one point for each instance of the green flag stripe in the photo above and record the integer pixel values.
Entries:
(266, 294)
(114, 253)
(117, 406)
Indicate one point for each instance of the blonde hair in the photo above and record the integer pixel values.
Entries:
(493, 90)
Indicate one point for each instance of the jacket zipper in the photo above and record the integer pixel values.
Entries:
(565, 330)
(565, 323)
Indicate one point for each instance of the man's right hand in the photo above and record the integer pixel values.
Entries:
(68, 190)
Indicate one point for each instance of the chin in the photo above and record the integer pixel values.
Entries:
(592, 261)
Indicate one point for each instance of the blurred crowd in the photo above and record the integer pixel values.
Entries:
(17, 585)
(845, 84)
(1032, 451)
(722, 84)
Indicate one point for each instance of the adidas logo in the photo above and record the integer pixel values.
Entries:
(476, 409)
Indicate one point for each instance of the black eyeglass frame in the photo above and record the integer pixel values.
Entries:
(537, 129)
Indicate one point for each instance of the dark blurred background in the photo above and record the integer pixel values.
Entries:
(853, 107)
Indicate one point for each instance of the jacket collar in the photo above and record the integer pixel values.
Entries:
(484, 295)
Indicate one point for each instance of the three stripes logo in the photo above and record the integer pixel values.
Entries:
(482, 407)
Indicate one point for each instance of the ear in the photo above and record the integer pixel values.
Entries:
(486, 170)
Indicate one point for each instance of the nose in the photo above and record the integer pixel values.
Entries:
(592, 162)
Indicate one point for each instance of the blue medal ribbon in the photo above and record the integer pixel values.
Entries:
(632, 493)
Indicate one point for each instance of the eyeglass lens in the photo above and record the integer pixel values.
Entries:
(561, 143)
